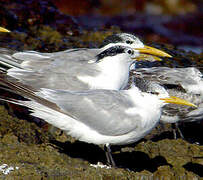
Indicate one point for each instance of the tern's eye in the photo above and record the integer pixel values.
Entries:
(129, 42)
(152, 92)
(155, 93)
(130, 52)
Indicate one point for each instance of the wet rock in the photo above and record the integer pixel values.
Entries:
(32, 17)
(21, 16)
(36, 25)
(177, 153)
(18, 128)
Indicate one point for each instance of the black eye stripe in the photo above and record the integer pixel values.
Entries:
(153, 92)
(129, 42)
(156, 93)
(111, 52)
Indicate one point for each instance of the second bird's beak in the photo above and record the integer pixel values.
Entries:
(151, 54)
(3, 30)
(176, 100)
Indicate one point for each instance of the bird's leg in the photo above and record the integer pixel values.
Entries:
(109, 157)
(175, 130)
(179, 131)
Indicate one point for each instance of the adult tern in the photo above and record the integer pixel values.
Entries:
(102, 117)
(78, 69)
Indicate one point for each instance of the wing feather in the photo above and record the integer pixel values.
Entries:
(58, 70)
(101, 110)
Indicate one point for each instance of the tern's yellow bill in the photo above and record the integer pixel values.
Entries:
(176, 100)
(148, 52)
(3, 30)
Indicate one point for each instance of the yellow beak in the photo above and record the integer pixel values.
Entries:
(3, 30)
(176, 100)
(147, 53)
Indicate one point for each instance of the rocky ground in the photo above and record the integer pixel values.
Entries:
(32, 152)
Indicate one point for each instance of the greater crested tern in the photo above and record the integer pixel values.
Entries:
(78, 69)
(186, 83)
(103, 117)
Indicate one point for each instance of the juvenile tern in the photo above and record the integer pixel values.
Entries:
(78, 69)
(102, 117)
(186, 83)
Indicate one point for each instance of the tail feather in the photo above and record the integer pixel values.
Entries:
(23, 60)
(13, 101)
(7, 60)
(28, 92)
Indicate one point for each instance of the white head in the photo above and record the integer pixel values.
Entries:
(129, 40)
(114, 63)
(113, 66)
(118, 53)
(122, 39)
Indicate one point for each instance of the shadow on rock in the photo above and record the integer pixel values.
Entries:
(138, 161)
(135, 161)
(195, 168)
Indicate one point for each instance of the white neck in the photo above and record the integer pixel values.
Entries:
(142, 99)
(114, 74)
(146, 107)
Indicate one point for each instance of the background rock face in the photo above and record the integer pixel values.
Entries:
(31, 148)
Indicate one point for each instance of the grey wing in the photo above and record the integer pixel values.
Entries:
(36, 60)
(101, 110)
(58, 70)
(165, 75)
